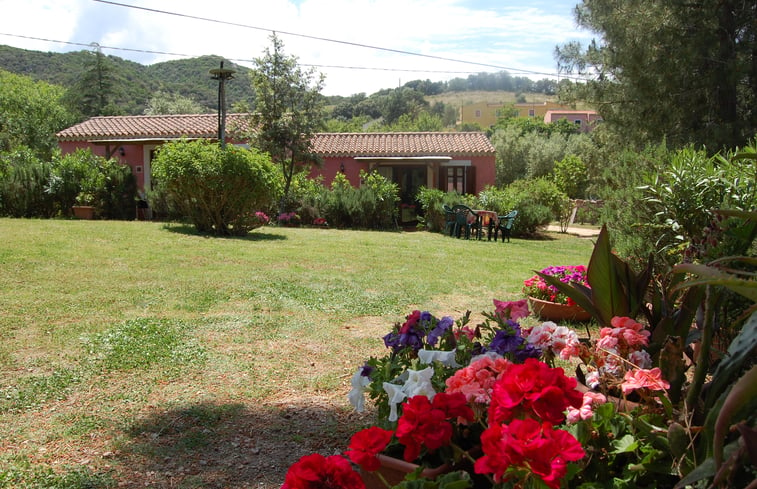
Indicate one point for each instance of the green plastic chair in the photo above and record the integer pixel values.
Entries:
(505, 225)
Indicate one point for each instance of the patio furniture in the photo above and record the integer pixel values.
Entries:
(488, 220)
(465, 220)
(449, 220)
(505, 225)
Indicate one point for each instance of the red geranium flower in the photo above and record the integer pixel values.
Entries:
(366, 444)
(533, 389)
(425, 423)
(526, 447)
(318, 472)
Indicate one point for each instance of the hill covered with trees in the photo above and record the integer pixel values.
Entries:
(129, 86)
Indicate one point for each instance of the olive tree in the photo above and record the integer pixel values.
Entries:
(219, 189)
(288, 111)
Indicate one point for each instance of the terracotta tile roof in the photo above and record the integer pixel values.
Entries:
(118, 128)
(157, 127)
(403, 144)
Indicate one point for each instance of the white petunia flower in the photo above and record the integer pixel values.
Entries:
(419, 383)
(359, 384)
(446, 358)
(396, 396)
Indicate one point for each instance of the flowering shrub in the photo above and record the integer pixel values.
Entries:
(524, 404)
(538, 288)
(316, 471)
(262, 218)
(289, 218)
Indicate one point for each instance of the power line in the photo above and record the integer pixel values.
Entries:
(317, 38)
(238, 60)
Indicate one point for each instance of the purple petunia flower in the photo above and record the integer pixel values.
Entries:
(439, 330)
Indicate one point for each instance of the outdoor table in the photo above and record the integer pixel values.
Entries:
(488, 220)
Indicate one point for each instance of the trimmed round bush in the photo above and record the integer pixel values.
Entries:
(217, 189)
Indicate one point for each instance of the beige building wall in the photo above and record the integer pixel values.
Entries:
(486, 114)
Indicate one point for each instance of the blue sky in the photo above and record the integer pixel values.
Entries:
(472, 35)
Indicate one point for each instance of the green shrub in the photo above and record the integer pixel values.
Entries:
(24, 181)
(218, 189)
(117, 196)
(538, 201)
(373, 205)
(663, 200)
(432, 204)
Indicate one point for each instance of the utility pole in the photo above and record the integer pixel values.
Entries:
(222, 75)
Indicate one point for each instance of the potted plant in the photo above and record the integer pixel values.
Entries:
(85, 206)
(548, 301)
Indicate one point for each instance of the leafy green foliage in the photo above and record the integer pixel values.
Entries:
(624, 451)
(644, 94)
(570, 176)
(370, 206)
(30, 114)
(218, 189)
(432, 203)
(288, 111)
(24, 184)
(525, 151)
(614, 288)
(172, 103)
(674, 198)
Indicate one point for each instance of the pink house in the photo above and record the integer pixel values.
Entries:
(585, 120)
(443, 160)
(462, 161)
(132, 139)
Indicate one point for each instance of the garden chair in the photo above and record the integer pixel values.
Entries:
(505, 225)
(449, 220)
(465, 220)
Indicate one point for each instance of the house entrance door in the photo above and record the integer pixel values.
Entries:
(410, 179)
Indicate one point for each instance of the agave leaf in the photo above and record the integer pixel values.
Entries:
(715, 276)
(739, 351)
(602, 276)
(742, 392)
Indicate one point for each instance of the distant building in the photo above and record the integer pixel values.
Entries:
(486, 114)
(585, 120)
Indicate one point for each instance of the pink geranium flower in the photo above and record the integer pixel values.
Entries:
(513, 310)
(644, 379)
(477, 380)
(586, 411)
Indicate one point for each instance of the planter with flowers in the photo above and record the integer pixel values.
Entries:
(548, 302)
(488, 405)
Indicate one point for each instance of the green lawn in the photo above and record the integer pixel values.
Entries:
(138, 353)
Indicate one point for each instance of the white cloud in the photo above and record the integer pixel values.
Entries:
(513, 36)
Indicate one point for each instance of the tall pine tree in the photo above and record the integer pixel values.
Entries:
(684, 70)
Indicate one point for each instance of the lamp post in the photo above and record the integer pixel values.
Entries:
(222, 75)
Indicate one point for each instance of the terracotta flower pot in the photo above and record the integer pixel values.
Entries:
(84, 211)
(394, 471)
(552, 311)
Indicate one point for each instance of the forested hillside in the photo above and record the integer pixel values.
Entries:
(130, 85)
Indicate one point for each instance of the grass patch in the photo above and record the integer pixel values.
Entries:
(143, 343)
(168, 359)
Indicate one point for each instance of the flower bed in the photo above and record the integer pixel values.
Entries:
(490, 403)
